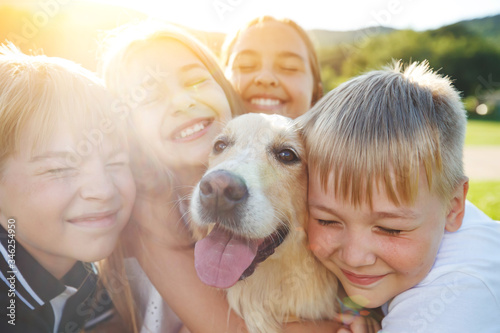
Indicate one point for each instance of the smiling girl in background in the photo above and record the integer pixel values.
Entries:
(272, 64)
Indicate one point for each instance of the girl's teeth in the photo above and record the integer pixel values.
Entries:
(265, 101)
(192, 130)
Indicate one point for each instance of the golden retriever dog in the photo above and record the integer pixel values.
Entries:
(253, 202)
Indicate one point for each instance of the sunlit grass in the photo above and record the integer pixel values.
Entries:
(482, 133)
(486, 196)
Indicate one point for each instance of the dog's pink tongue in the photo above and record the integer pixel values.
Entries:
(221, 257)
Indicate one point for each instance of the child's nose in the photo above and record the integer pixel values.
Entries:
(181, 102)
(266, 77)
(356, 250)
(97, 184)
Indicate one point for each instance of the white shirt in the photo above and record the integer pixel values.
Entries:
(461, 293)
(157, 316)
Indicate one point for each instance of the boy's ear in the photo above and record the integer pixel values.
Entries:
(457, 207)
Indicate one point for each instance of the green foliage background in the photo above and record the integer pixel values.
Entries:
(485, 195)
(468, 52)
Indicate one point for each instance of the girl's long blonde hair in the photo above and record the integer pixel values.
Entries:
(152, 178)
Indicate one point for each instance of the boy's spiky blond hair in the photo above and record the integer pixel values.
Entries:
(383, 127)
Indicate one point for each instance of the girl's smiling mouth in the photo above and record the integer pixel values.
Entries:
(191, 130)
(96, 220)
(265, 102)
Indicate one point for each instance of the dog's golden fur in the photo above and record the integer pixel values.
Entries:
(290, 284)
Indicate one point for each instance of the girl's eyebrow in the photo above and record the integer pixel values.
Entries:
(284, 54)
(288, 54)
(188, 67)
(63, 154)
(49, 155)
(245, 52)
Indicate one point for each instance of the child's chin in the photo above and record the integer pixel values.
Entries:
(100, 252)
(375, 303)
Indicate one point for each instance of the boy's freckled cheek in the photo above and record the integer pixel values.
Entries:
(321, 243)
(318, 250)
(413, 260)
(321, 252)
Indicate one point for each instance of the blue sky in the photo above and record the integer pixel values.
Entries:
(226, 15)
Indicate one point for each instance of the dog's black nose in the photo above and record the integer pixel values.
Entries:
(222, 190)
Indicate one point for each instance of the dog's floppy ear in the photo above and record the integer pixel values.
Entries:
(299, 124)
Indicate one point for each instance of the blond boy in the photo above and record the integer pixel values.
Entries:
(66, 192)
(387, 201)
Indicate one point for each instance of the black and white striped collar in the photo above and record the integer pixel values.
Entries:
(34, 285)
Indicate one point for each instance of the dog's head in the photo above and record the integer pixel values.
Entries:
(252, 196)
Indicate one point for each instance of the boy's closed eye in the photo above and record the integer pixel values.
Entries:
(396, 224)
(327, 222)
(384, 230)
(388, 231)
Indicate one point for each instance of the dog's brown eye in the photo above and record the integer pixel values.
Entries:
(219, 146)
(287, 156)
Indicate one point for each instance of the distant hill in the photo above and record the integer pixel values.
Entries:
(487, 27)
(467, 51)
(325, 38)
